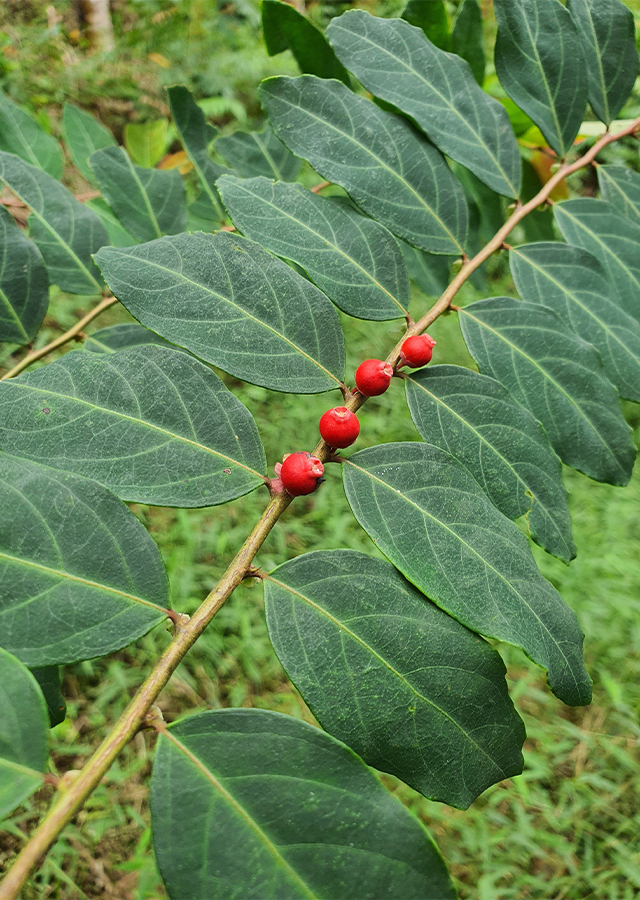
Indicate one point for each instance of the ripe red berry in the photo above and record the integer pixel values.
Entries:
(301, 473)
(417, 351)
(373, 377)
(339, 427)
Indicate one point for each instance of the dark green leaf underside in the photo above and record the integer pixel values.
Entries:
(431, 519)
(259, 153)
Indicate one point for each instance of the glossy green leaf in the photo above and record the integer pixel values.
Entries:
(620, 187)
(596, 226)
(540, 63)
(477, 421)
(430, 272)
(606, 29)
(48, 678)
(120, 337)
(259, 153)
(558, 377)
(572, 282)
(396, 62)
(284, 28)
(79, 575)
(23, 734)
(153, 425)
(84, 135)
(148, 202)
(24, 286)
(467, 38)
(195, 135)
(429, 516)
(354, 260)
(432, 18)
(146, 141)
(251, 803)
(378, 158)
(20, 134)
(407, 687)
(66, 232)
(234, 305)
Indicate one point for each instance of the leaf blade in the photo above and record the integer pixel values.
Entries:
(257, 153)
(21, 134)
(24, 286)
(84, 135)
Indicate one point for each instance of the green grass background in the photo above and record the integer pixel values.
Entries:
(568, 826)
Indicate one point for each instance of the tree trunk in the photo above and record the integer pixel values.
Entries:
(98, 25)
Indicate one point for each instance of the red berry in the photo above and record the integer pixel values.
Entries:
(301, 473)
(339, 427)
(417, 351)
(373, 377)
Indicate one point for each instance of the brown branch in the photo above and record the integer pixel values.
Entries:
(63, 339)
(188, 630)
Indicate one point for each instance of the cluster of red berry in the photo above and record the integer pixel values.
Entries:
(301, 473)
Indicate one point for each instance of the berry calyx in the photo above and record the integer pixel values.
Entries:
(301, 473)
(417, 351)
(373, 377)
(339, 427)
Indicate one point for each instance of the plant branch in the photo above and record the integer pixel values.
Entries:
(63, 339)
(187, 631)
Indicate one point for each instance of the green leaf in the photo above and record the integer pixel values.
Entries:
(234, 305)
(621, 188)
(558, 377)
(151, 424)
(467, 39)
(606, 29)
(596, 226)
(259, 153)
(476, 420)
(432, 520)
(540, 63)
(120, 337)
(407, 687)
(432, 18)
(354, 260)
(378, 158)
(48, 678)
(84, 135)
(118, 237)
(430, 272)
(148, 202)
(284, 28)
(195, 135)
(146, 141)
(81, 576)
(397, 63)
(251, 803)
(20, 134)
(572, 282)
(66, 232)
(23, 734)
(24, 286)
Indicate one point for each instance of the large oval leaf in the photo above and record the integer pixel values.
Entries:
(120, 337)
(148, 202)
(353, 259)
(251, 803)
(571, 282)
(558, 377)
(384, 670)
(467, 39)
(23, 733)
(24, 286)
(233, 305)
(606, 30)
(377, 157)
(621, 188)
(79, 575)
(153, 425)
(433, 521)
(66, 232)
(84, 136)
(540, 64)
(476, 420)
(396, 62)
(259, 153)
(613, 239)
(20, 134)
